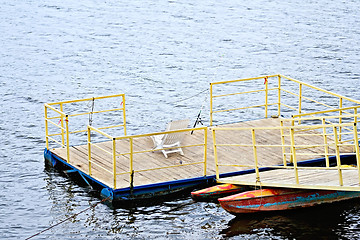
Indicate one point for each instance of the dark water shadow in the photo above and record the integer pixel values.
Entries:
(320, 222)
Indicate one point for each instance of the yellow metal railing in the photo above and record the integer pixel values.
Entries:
(342, 115)
(332, 128)
(265, 89)
(344, 134)
(290, 143)
(61, 130)
(281, 89)
(125, 147)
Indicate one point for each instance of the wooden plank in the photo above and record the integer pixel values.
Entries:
(123, 166)
(316, 177)
(153, 160)
(227, 155)
(156, 159)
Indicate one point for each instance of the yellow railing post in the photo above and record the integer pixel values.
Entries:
(356, 146)
(338, 161)
(114, 160)
(67, 139)
(355, 113)
(279, 95)
(124, 114)
(266, 96)
(255, 155)
(291, 149)
(325, 143)
(293, 153)
(215, 155)
(89, 148)
(205, 150)
(355, 118)
(131, 163)
(46, 129)
(340, 117)
(211, 105)
(62, 125)
(283, 142)
(300, 100)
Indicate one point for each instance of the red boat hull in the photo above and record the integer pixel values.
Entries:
(281, 199)
(215, 192)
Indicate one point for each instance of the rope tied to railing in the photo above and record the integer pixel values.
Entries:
(92, 111)
(258, 181)
(73, 216)
(198, 118)
(199, 93)
(132, 182)
(66, 120)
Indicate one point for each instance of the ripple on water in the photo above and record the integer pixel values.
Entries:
(158, 54)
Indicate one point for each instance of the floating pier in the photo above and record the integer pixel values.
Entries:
(294, 123)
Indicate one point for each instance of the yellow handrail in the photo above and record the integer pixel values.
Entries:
(321, 90)
(274, 92)
(281, 100)
(62, 128)
(245, 79)
(131, 152)
(233, 109)
(85, 99)
(295, 148)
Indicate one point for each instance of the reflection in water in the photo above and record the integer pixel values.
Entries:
(157, 53)
(185, 219)
(324, 222)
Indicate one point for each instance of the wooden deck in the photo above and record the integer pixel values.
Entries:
(308, 179)
(178, 167)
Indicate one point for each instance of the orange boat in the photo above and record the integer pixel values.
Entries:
(218, 191)
(275, 199)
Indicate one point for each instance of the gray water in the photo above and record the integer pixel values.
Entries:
(159, 53)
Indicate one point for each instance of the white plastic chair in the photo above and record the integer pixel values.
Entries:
(171, 140)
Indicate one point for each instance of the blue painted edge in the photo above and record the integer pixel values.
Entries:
(53, 158)
(164, 186)
(124, 193)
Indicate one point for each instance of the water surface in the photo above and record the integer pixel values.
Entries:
(158, 53)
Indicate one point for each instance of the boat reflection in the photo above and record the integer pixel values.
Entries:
(326, 220)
